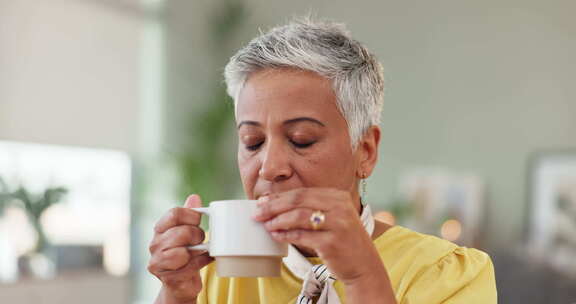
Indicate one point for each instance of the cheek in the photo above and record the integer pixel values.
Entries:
(327, 169)
(248, 169)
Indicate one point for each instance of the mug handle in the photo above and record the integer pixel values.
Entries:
(204, 246)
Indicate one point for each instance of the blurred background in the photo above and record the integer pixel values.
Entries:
(112, 111)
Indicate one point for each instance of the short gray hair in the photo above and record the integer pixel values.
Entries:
(327, 49)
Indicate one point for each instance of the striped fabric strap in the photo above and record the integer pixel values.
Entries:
(314, 284)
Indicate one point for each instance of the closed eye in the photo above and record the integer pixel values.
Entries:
(302, 145)
(254, 147)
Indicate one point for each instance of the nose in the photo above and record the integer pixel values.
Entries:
(275, 163)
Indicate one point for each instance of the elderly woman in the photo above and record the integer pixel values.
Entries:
(308, 100)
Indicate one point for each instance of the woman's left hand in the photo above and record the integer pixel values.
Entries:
(341, 241)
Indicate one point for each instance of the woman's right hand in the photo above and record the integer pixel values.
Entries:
(171, 261)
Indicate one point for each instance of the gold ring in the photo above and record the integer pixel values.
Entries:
(317, 219)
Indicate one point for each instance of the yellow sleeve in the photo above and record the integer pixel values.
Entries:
(224, 290)
(465, 275)
(215, 289)
(202, 298)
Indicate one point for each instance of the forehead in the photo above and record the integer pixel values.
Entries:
(280, 94)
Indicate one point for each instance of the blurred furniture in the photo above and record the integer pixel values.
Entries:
(87, 287)
(520, 280)
(77, 257)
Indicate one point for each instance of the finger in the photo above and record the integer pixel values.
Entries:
(316, 240)
(181, 236)
(177, 216)
(169, 260)
(186, 280)
(194, 264)
(178, 260)
(202, 260)
(193, 201)
(299, 218)
(271, 206)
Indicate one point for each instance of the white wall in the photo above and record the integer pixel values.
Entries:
(69, 72)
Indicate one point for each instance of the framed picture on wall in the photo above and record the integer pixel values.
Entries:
(552, 220)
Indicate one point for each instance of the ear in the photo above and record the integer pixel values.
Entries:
(367, 152)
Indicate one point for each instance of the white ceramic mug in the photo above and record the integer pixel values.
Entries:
(241, 246)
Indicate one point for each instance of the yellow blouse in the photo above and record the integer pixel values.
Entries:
(422, 269)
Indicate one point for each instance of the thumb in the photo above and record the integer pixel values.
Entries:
(193, 201)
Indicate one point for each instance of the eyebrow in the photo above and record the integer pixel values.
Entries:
(287, 122)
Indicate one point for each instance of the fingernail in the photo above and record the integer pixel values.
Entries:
(263, 200)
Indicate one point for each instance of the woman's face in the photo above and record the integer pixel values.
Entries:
(292, 135)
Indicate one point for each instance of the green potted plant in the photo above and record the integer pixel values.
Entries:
(38, 260)
(4, 196)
